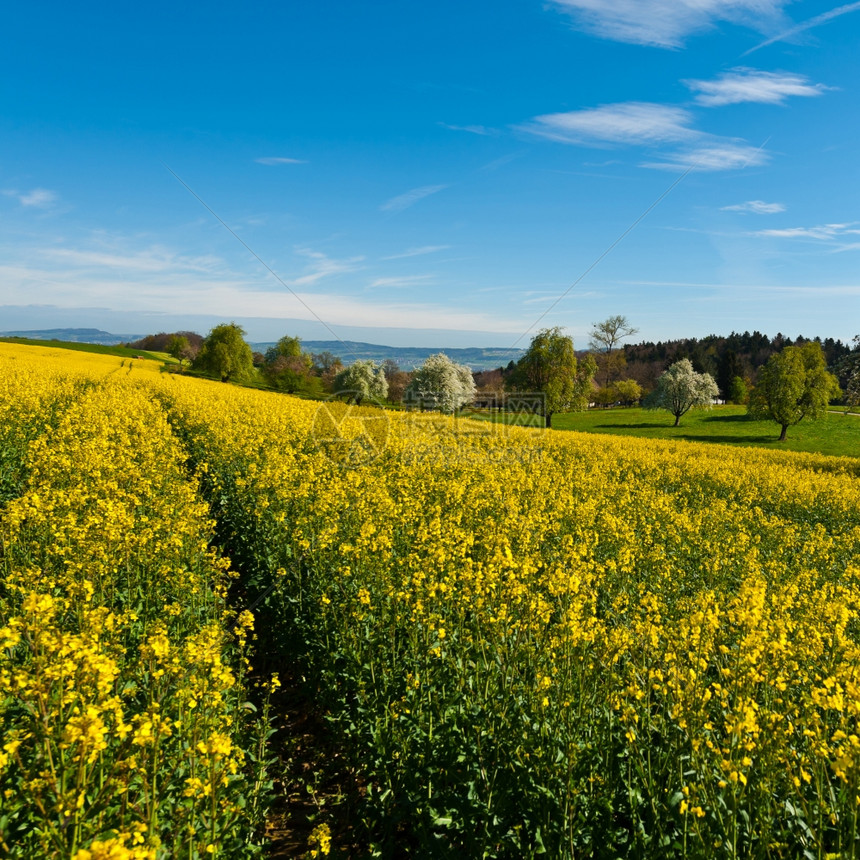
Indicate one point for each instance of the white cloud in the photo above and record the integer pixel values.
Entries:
(278, 160)
(626, 123)
(755, 207)
(667, 23)
(404, 201)
(649, 124)
(713, 154)
(750, 85)
(417, 252)
(822, 233)
(807, 25)
(38, 198)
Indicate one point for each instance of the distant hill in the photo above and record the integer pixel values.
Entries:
(407, 357)
(74, 335)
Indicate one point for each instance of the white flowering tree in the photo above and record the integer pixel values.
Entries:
(440, 384)
(680, 389)
(362, 380)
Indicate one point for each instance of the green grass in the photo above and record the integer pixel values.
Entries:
(101, 349)
(836, 435)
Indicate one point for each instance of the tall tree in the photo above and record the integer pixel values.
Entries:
(793, 385)
(680, 389)
(225, 354)
(605, 337)
(286, 347)
(549, 368)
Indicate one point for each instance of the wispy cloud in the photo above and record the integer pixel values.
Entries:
(720, 154)
(400, 281)
(821, 233)
(322, 266)
(152, 259)
(755, 207)
(651, 125)
(482, 130)
(417, 252)
(37, 198)
(633, 123)
(824, 289)
(751, 85)
(501, 161)
(667, 23)
(817, 21)
(404, 201)
(275, 160)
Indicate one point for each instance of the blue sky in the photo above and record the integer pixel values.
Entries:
(441, 174)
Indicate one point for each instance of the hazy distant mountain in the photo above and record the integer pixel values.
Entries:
(74, 335)
(407, 357)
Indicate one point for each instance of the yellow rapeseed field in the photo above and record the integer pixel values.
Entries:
(526, 642)
(121, 686)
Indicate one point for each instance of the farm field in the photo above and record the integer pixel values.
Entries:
(524, 642)
(835, 435)
(94, 348)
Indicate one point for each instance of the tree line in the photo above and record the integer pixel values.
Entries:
(795, 380)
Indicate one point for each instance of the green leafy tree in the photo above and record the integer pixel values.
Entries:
(293, 374)
(286, 347)
(738, 392)
(440, 384)
(362, 380)
(180, 348)
(549, 367)
(628, 391)
(604, 396)
(289, 369)
(681, 389)
(793, 385)
(624, 391)
(225, 354)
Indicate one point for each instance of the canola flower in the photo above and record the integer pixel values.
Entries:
(566, 643)
(528, 642)
(121, 687)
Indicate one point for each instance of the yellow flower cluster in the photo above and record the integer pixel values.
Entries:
(529, 641)
(648, 642)
(120, 681)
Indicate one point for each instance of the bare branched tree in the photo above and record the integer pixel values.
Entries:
(607, 335)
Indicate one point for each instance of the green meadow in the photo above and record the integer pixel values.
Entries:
(836, 434)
